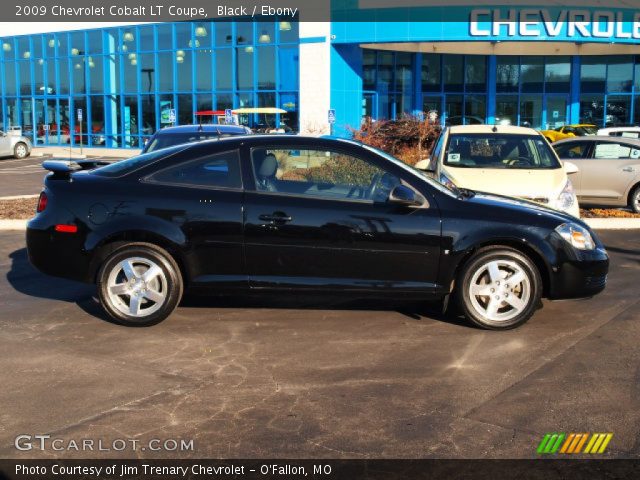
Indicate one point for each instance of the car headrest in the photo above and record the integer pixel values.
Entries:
(269, 166)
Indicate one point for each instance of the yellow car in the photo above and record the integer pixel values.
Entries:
(567, 131)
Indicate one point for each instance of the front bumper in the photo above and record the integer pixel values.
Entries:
(579, 274)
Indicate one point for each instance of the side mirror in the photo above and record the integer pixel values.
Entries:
(424, 165)
(570, 168)
(403, 195)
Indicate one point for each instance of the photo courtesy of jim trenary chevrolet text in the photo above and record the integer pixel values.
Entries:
(341, 239)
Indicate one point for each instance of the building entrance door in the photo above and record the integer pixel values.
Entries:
(557, 111)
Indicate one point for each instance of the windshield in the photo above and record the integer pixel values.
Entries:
(499, 151)
(164, 140)
(117, 169)
(586, 130)
(423, 175)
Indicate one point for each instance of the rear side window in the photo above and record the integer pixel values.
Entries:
(572, 149)
(123, 167)
(615, 151)
(221, 170)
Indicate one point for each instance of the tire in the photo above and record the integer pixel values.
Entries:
(493, 307)
(121, 280)
(634, 199)
(20, 151)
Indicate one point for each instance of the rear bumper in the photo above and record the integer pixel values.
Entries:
(58, 254)
(581, 274)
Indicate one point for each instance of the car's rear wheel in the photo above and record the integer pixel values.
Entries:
(634, 199)
(20, 150)
(139, 285)
(499, 288)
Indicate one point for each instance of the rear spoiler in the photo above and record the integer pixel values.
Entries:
(64, 168)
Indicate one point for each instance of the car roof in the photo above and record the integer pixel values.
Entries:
(602, 138)
(508, 129)
(266, 139)
(208, 128)
(620, 129)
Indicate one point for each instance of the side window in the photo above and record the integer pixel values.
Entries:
(612, 150)
(219, 170)
(320, 173)
(572, 150)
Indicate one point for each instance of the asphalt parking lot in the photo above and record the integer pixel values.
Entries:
(294, 378)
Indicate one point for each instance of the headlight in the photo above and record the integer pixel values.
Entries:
(447, 182)
(576, 235)
(567, 197)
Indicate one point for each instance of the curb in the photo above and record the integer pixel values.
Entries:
(20, 197)
(613, 223)
(6, 225)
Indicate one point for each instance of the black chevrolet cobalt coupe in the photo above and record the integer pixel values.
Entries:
(295, 214)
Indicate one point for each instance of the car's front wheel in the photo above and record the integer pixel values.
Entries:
(634, 199)
(499, 288)
(20, 151)
(139, 285)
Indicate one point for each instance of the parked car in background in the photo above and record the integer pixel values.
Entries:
(170, 136)
(506, 160)
(17, 146)
(608, 169)
(629, 132)
(283, 213)
(567, 131)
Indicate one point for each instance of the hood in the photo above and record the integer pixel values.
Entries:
(522, 183)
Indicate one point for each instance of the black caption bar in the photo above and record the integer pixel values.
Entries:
(317, 469)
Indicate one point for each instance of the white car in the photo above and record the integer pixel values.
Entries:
(629, 132)
(506, 160)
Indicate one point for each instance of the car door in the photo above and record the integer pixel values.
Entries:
(576, 152)
(608, 174)
(318, 218)
(204, 197)
(5, 144)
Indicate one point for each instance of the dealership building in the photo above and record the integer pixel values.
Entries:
(114, 85)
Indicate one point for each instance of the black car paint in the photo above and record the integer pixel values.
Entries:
(222, 242)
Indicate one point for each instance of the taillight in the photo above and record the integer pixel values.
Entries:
(42, 202)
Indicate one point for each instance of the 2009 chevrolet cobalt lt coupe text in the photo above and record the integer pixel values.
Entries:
(290, 213)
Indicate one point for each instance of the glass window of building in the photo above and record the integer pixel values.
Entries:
(288, 31)
(77, 46)
(507, 110)
(185, 109)
(453, 107)
(146, 41)
(224, 74)
(289, 102)
(147, 64)
(128, 40)
(24, 71)
(165, 66)
(8, 48)
(556, 111)
(184, 70)
(130, 127)
(430, 73)
(620, 74)
(183, 36)
(165, 36)
(224, 37)
(60, 44)
(96, 73)
(385, 71)
(288, 63)
(79, 75)
(111, 41)
(266, 122)
(148, 123)
(244, 33)
(94, 41)
(204, 101)
(557, 73)
(593, 74)
(266, 32)
(369, 70)
(507, 74)
(63, 76)
(12, 112)
(39, 69)
(431, 104)
(475, 73)
(80, 126)
(36, 46)
(266, 68)
(404, 72)
(453, 73)
(51, 76)
(204, 70)
(129, 66)
(618, 110)
(244, 68)
(23, 49)
(636, 110)
(10, 78)
(97, 119)
(592, 109)
(475, 109)
(532, 74)
(224, 101)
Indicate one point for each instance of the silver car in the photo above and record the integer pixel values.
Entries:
(14, 145)
(608, 169)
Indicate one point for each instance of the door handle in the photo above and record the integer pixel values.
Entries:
(275, 217)
(628, 169)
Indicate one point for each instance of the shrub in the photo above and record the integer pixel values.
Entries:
(409, 138)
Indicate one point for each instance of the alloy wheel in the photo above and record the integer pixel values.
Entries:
(137, 287)
(500, 290)
(21, 151)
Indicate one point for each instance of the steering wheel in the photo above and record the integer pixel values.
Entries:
(521, 159)
(373, 188)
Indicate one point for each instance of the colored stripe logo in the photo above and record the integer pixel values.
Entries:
(572, 443)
